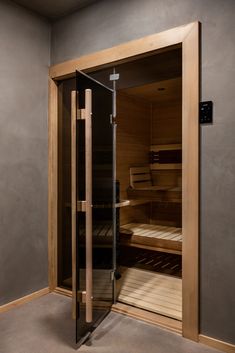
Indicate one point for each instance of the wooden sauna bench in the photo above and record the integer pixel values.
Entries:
(156, 193)
(142, 187)
(152, 237)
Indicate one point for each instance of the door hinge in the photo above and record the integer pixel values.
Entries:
(81, 206)
(112, 119)
(81, 296)
(112, 275)
(114, 77)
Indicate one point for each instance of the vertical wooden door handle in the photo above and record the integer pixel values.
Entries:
(74, 199)
(86, 115)
(88, 179)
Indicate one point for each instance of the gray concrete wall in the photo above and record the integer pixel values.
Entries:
(108, 23)
(24, 61)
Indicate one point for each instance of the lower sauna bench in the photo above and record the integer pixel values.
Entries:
(153, 237)
(151, 291)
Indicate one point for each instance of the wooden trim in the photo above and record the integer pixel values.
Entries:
(123, 52)
(52, 183)
(88, 195)
(63, 291)
(188, 36)
(217, 344)
(74, 199)
(152, 318)
(24, 300)
(190, 183)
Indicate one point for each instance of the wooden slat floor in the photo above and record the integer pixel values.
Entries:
(151, 291)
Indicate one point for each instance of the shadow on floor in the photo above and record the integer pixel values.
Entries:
(61, 326)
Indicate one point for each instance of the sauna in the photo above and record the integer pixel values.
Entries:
(123, 187)
(149, 171)
(145, 248)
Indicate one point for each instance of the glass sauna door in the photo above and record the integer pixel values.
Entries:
(93, 198)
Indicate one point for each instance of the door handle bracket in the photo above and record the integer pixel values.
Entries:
(122, 203)
(81, 114)
(81, 297)
(81, 206)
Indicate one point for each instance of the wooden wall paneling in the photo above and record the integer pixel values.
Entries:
(133, 141)
(167, 214)
(140, 213)
(167, 132)
(167, 177)
(167, 123)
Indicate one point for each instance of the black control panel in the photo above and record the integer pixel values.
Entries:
(206, 112)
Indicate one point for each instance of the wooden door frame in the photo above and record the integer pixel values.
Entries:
(188, 37)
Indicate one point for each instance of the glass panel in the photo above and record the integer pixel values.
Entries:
(64, 184)
(103, 197)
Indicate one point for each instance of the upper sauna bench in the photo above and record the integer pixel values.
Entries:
(143, 179)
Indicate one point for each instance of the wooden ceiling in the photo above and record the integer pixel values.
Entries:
(157, 92)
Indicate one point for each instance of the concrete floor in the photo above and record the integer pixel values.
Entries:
(45, 326)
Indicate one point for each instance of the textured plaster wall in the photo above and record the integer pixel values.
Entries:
(108, 23)
(24, 61)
